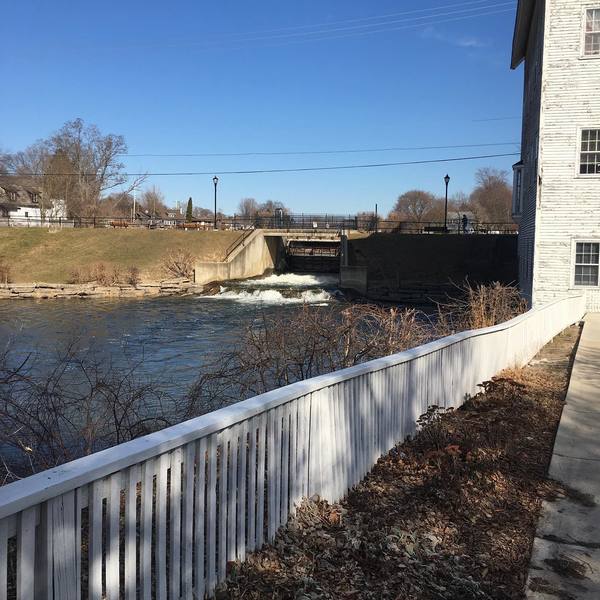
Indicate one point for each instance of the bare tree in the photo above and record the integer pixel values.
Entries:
(413, 206)
(491, 200)
(153, 201)
(78, 405)
(77, 164)
(269, 207)
(248, 207)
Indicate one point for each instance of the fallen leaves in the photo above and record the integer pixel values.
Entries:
(448, 515)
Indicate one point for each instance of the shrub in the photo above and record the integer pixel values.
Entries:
(479, 306)
(133, 276)
(98, 272)
(46, 420)
(179, 263)
(5, 272)
(274, 352)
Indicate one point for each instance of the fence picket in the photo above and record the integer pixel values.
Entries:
(175, 522)
(160, 560)
(147, 496)
(199, 519)
(260, 481)
(65, 553)
(96, 517)
(211, 511)
(3, 559)
(240, 553)
(187, 538)
(26, 554)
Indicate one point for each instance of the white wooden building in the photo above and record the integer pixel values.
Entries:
(557, 181)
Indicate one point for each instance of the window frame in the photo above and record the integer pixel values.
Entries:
(574, 264)
(584, 12)
(595, 127)
(518, 195)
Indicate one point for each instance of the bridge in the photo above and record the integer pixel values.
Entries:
(163, 515)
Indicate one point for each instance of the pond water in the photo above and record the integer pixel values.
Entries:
(170, 338)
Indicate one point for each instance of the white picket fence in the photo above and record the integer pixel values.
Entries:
(161, 516)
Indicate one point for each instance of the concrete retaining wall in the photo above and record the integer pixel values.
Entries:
(251, 259)
(354, 278)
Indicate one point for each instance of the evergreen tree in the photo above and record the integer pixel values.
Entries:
(189, 213)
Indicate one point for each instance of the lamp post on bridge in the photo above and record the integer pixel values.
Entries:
(446, 181)
(215, 181)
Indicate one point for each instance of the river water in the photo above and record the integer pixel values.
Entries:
(169, 338)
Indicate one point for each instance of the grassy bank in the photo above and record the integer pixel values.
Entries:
(51, 256)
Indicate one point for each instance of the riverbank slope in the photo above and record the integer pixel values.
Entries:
(48, 255)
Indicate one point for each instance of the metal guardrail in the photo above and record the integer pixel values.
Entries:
(239, 242)
(164, 514)
(289, 222)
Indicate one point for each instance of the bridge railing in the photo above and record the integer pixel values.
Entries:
(163, 515)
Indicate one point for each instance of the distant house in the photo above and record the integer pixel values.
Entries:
(172, 217)
(557, 181)
(20, 205)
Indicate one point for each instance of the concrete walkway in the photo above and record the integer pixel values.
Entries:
(565, 563)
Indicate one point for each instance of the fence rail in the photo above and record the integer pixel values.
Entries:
(161, 516)
(283, 222)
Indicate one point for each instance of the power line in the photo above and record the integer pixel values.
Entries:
(332, 33)
(314, 152)
(431, 9)
(288, 170)
(349, 35)
(496, 119)
(328, 30)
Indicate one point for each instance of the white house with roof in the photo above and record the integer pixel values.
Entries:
(24, 206)
(557, 182)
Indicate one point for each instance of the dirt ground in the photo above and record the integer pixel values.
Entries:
(448, 515)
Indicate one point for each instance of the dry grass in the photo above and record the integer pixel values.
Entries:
(476, 307)
(449, 515)
(36, 255)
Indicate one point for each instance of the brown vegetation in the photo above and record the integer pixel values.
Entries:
(81, 405)
(448, 515)
(5, 272)
(475, 307)
(179, 263)
(315, 340)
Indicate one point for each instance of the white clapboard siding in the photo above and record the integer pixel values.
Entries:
(561, 97)
(162, 516)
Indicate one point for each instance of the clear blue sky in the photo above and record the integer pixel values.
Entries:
(270, 76)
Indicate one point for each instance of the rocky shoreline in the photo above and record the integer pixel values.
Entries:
(42, 291)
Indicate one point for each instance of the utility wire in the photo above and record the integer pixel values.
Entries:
(431, 9)
(289, 170)
(314, 152)
(328, 30)
(340, 32)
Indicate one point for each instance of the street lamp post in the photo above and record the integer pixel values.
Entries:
(447, 181)
(215, 181)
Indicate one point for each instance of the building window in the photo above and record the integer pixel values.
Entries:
(592, 32)
(589, 163)
(12, 196)
(587, 261)
(517, 189)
